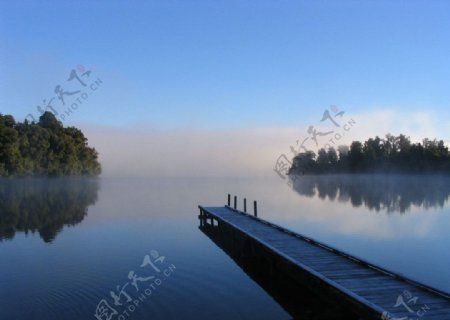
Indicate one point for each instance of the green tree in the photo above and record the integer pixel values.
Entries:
(374, 153)
(392, 154)
(45, 148)
(332, 156)
(355, 156)
(303, 163)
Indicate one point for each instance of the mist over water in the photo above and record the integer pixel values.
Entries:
(67, 243)
(173, 105)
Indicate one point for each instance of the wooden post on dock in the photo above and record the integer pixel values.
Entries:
(201, 217)
(235, 202)
(245, 205)
(255, 209)
(229, 199)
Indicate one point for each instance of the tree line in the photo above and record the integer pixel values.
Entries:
(44, 148)
(393, 154)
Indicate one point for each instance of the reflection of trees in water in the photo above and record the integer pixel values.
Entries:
(44, 205)
(390, 193)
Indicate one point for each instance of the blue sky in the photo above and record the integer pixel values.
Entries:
(227, 63)
(229, 84)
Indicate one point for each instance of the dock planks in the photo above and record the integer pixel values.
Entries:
(373, 292)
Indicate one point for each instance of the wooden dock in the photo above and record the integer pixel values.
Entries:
(371, 292)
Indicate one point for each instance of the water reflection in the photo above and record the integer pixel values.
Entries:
(389, 193)
(44, 205)
(296, 298)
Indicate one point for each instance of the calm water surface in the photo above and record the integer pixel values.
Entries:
(66, 245)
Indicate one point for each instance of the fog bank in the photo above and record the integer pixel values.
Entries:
(238, 152)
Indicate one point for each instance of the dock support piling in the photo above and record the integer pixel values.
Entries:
(255, 209)
(235, 202)
(245, 205)
(229, 199)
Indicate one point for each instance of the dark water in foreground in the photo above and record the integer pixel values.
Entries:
(69, 247)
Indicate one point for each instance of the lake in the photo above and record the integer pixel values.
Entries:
(131, 248)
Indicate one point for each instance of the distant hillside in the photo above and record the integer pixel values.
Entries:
(45, 148)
